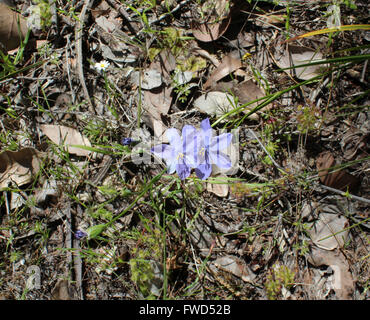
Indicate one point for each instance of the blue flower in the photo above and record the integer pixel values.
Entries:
(128, 141)
(180, 155)
(209, 151)
(80, 234)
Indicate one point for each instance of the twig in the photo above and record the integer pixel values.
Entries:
(345, 194)
(123, 12)
(68, 71)
(68, 240)
(78, 36)
(363, 73)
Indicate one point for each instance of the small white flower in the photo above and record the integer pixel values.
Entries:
(102, 65)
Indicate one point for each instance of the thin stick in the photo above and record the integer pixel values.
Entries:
(345, 194)
(78, 36)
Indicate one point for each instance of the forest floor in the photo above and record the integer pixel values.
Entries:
(87, 211)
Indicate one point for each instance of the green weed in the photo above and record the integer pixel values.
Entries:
(278, 278)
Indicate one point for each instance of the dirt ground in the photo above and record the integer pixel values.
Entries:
(87, 212)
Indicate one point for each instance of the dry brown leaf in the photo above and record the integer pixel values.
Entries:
(298, 55)
(207, 32)
(229, 64)
(340, 179)
(343, 282)
(156, 103)
(18, 167)
(219, 189)
(161, 99)
(235, 266)
(214, 103)
(11, 23)
(248, 91)
(218, 15)
(329, 231)
(167, 62)
(68, 136)
(269, 19)
(245, 91)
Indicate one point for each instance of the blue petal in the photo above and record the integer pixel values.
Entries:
(207, 132)
(164, 151)
(205, 125)
(220, 159)
(203, 171)
(174, 138)
(183, 171)
(191, 142)
(220, 142)
(171, 167)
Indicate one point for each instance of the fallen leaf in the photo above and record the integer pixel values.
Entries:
(328, 231)
(343, 283)
(160, 99)
(219, 189)
(16, 201)
(167, 62)
(182, 77)
(246, 92)
(11, 23)
(216, 26)
(340, 179)
(269, 19)
(48, 192)
(215, 103)
(297, 55)
(19, 167)
(67, 136)
(149, 79)
(117, 56)
(235, 266)
(229, 64)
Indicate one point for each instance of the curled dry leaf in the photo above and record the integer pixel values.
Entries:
(207, 32)
(343, 283)
(229, 64)
(296, 55)
(338, 179)
(67, 136)
(13, 28)
(18, 167)
(353, 141)
(216, 26)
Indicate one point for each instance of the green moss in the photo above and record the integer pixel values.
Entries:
(278, 278)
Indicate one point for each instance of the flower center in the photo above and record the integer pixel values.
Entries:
(202, 152)
(180, 156)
